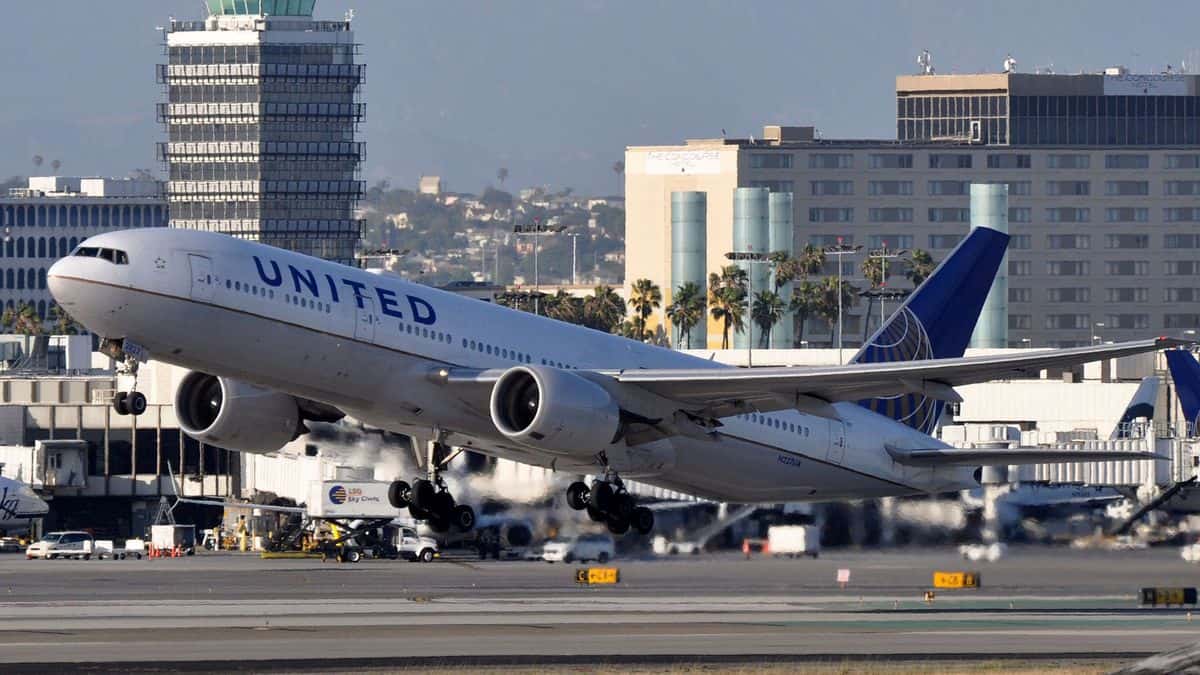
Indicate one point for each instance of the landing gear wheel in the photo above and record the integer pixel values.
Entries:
(353, 555)
(463, 518)
(398, 494)
(443, 506)
(578, 494)
(418, 513)
(602, 495)
(423, 493)
(120, 403)
(618, 525)
(438, 524)
(623, 505)
(596, 514)
(135, 402)
(642, 520)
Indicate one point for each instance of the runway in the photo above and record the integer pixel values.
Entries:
(226, 611)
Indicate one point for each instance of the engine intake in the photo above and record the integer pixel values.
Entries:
(554, 410)
(236, 415)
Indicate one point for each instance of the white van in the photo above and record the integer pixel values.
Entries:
(61, 545)
(598, 547)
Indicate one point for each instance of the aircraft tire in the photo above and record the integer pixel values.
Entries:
(135, 403)
(618, 525)
(120, 404)
(642, 520)
(596, 514)
(417, 512)
(578, 494)
(443, 506)
(602, 495)
(623, 505)
(438, 524)
(423, 494)
(398, 494)
(463, 517)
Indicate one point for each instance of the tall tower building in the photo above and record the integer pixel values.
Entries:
(263, 104)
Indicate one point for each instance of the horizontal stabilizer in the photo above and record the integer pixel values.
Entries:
(1003, 456)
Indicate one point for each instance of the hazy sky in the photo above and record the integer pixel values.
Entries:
(555, 89)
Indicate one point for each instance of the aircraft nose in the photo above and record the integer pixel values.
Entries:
(57, 279)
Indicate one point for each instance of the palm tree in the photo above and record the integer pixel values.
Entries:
(502, 175)
(563, 306)
(686, 310)
(61, 323)
(766, 311)
(645, 297)
(826, 305)
(810, 261)
(618, 168)
(22, 319)
(872, 270)
(727, 300)
(805, 298)
(790, 268)
(919, 266)
(604, 309)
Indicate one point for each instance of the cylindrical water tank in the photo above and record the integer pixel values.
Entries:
(689, 251)
(989, 208)
(750, 235)
(781, 238)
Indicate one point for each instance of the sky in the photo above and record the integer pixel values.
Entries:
(554, 90)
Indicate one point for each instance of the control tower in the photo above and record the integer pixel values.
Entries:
(263, 107)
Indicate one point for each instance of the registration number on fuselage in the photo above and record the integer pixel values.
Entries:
(790, 460)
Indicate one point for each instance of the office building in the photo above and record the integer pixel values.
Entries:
(262, 111)
(1103, 175)
(47, 219)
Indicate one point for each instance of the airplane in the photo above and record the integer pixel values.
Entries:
(1185, 372)
(19, 506)
(274, 338)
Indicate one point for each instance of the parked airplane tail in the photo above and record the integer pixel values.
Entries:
(1141, 406)
(936, 322)
(1185, 371)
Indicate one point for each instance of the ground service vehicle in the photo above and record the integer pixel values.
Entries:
(598, 547)
(61, 545)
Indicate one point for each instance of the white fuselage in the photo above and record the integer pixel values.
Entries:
(19, 506)
(368, 343)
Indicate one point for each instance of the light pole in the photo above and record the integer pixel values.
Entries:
(883, 255)
(536, 230)
(574, 241)
(1026, 343)
(839, 251)
(1096, 338)
(751, 258)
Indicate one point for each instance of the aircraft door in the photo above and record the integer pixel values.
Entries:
(364, 325)
(202, 277)
(837, 441)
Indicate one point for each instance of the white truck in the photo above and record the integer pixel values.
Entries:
(414, 547)
(794, 541)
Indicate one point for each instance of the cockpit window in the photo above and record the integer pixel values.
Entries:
(112, 255)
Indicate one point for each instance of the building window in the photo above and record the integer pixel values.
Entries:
(891, 161)
(1183, 161)
(823, 240)
(1068, 295)
(829, 161)
(774, 185)
(771, 160)
(1181, 294)
(1061, 241)
(891, 214)
(831, 215)
(949, 215)
(1068, 321)
(1127, 214)
(1127, 188)
(1126, 268)
(1020, 188)
(949, 187)
(949, 161)
(944, 240)
(1127, 241)
(1187, 188)
(1186, 240)
(1127, 161)
(1066, 214)
(1020, 322)
(889, 187)
(1183, 214)
(1068, 268)
(1020, 295)
(1058, 188)
(1019, 268)
(1182, 268)
(1126, 294)
(1009, 161)
(1020, 214)
(1068, 161)
(1020, 242)
(890, 241)
(1127, 321)
(1181, 321)
(831, 187)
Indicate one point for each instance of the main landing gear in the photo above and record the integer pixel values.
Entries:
(132, 402)
(429, 499)
(607, 501)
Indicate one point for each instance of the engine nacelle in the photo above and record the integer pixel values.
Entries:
(235, 415)
(554, 410)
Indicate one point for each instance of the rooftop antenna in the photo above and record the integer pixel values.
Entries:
(1010, 64)
(349, 15)
(925, 61)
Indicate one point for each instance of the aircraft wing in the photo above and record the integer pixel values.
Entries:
(812, 389)
(1004, 456)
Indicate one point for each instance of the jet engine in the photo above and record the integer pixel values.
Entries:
(554, 410)
(235, 415)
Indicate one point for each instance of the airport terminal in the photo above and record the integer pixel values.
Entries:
(223, 443)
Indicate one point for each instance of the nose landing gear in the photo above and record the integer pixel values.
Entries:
(607, 501)
(132, 402)
(429, 499)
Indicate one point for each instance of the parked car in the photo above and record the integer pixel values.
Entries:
(10, 545)
(61, 545)
(598, 547)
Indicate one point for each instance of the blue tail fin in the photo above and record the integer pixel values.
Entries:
(1140, 406)
(936, 322)
(1185, 371)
